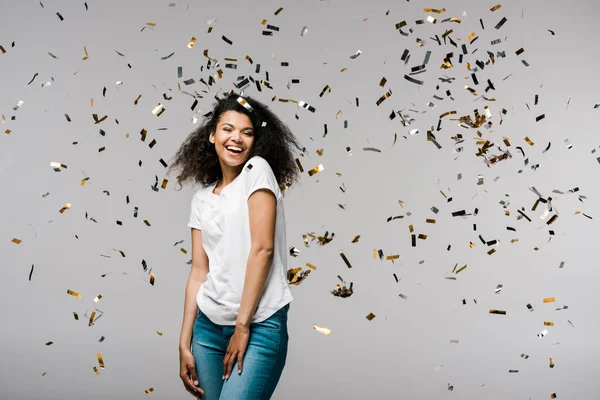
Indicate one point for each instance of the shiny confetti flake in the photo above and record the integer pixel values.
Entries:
(65, 208)
(17, 241)
(100, 360)
(74, 294)
(57, 166)
(358, 53)
(322, 330)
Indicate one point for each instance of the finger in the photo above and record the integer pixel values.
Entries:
(225, 365)
(193, 375)
(230, 362)
(191, 387)
(194, 393)
(240, 357)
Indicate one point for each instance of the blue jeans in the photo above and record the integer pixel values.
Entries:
(262, 364)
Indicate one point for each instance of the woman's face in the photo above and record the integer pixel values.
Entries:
(233, 129)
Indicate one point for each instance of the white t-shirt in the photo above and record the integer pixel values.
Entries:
(225, 225)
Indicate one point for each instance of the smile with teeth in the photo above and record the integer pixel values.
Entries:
(234, 150)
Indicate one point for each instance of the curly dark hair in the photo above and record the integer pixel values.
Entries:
(198, 160)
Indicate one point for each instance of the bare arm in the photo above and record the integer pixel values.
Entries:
(198, 273)
(262, 209)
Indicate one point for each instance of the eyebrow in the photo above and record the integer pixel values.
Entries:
(227, 123)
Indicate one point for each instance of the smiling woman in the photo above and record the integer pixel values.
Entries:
(237, 295)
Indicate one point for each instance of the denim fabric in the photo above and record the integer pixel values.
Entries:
(262, 364)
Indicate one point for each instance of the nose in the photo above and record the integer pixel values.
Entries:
(237, 136)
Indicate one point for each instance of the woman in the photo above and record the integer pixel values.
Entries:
(234, 338)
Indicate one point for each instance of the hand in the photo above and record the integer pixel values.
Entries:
(236, 349)
(188, 373)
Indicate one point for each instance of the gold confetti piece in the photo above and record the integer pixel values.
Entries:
(156, 108)
(450, 387)
(322, 330)
(8, 131)
(315, 170)
(75, 316)
(433, 10)
(528, 141)
(542, 333)
(149, 390)
(525, 356)
(159, 333)
(370, 316)
(96, 371)
(17, 241)
(383, 97)
(551, 363)
(97, 121)
(100, 361)
(549, 299)
(147, 222)
(540, 117)
(295, 276)
(431, 19)
(461, 268)
(226, 40)
(98, 298)
(497, 6)
(500, 312)
(164, 183)
(191, 43)
(343, 291)
(44, 374)
(91, 320)
(49, 343)
(72, 293)
(150, 24)
(345, 260)
(184, 251)
(152, 278)
(86, 53)
(278, 10)
(83, 181)
(553, 396)
(57, 166)
(547, 323)
(65, 208)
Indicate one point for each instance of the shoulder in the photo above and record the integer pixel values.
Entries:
(200, 195)
(259, 163)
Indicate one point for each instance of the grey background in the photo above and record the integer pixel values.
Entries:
(405, 352)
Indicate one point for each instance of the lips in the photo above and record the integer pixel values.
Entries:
(233, 153)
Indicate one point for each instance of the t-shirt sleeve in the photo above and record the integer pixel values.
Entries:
(261, 176)
(195, 211)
